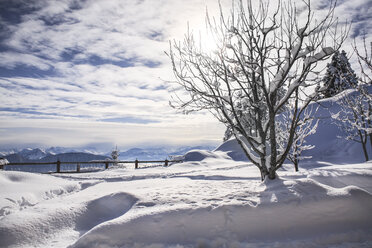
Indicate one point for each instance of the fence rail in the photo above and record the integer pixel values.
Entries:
(105, 162)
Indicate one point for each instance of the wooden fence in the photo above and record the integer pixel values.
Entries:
(105, 162)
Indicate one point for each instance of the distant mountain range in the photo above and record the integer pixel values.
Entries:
(72, 155)
(64, 157)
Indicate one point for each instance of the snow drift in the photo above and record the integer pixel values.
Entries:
(199, 155)
(220, 203)
(326, 215)
(20, 190)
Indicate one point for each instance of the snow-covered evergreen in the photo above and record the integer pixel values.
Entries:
(339, 75)
(115, 154)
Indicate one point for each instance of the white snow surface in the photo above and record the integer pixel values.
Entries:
(211, 202)
(213, 199)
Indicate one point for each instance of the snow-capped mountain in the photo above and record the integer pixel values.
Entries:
(5, 152)
(57, 150)
(65, 157)
(24, 155)
(87, 154)
(73, 157)
(33, 154)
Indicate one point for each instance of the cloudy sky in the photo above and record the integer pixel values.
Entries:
(94, 72)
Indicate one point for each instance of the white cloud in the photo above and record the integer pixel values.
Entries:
(109, 60)
(75, 132)
(11, 60)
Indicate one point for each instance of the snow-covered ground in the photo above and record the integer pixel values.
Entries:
(213, 199)
(210, 202)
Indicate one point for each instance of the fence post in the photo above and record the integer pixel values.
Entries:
(166, 163)
(107, 164)
(136, 164)
(58, 166)
(78, 167)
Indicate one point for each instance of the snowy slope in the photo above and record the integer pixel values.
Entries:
(213, 202)
(330, 146)
(328, 140)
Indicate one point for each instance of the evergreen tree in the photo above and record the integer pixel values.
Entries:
(115, 154)
(339, 75)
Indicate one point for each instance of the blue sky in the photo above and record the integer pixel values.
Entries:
(83, 72)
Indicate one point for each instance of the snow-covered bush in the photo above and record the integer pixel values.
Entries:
(266, 61)
(3, 161)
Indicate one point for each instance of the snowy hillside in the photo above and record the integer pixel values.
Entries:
(329, 141)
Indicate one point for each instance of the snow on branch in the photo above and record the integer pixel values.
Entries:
(259, 71)
(355, 116)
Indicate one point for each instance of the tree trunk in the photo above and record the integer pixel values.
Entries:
(272, 174)
(264, 173)
(365, 150)
(363, 141)
(295, 160)
(296, 165)
(273, 144)
(370, 122)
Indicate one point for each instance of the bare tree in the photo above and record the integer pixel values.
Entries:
(306, 126)
(365, 62)
(355, 115)
(265, 59)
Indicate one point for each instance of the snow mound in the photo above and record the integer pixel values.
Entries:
(233, 150)
(199, 155)
(291, 209)
(103, 209)
(21, 189)
(74, 216)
